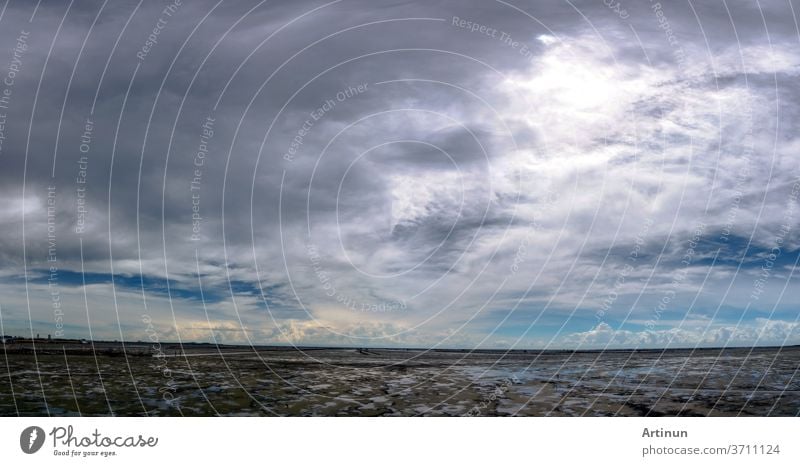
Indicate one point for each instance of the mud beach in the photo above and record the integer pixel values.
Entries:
(202, 380)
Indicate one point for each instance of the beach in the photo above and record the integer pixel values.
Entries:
(205, 380)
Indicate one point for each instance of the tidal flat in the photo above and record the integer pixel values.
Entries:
(204, 380)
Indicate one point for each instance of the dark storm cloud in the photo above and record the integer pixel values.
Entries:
(409, 140)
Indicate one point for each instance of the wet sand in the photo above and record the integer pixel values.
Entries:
(203, 380)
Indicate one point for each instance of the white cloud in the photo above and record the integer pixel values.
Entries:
(688, 334)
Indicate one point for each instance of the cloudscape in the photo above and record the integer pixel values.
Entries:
(444, 174)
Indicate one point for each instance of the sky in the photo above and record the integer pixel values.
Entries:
(470, 174)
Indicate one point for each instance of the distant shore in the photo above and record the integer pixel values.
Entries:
(26, 345)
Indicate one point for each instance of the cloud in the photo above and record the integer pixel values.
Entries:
(760, 331)
(485, 188)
